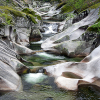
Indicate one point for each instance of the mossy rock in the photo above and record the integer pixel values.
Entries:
(31, 17)
(79, 6)
(7, 13)
(12, 11)
(95, 27)
(28, 11)
(66, 8)
(60, 5)
(31, 12)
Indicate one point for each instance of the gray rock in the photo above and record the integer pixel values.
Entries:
(10, 66)
(70, 42)
(70, 75)
(35, 35)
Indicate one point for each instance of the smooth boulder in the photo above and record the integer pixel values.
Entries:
(70, 75)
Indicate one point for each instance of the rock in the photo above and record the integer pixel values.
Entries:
(44, 9)
(22, 49)
(85, 72)
(63, 42)
(35, 35)
(51, 12)
(34, 4)
(58, 17)
(74, 48)
(10, 66)
(81, 16)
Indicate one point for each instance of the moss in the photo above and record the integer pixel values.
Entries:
(95, 27)
(31, 12)
(10, 10)
(60, 5)
(7, 18)
(66, 8)
(95, 6)
(79, 6)
(31, 17)
(28, 11)
(17, 13)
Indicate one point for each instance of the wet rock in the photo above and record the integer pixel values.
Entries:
(84, 72)
(71, 38)
(35, 35)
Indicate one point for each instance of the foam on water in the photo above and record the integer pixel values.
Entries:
(51, 56)
(34, 78)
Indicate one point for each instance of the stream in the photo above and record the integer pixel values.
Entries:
(42, 87)
(38, 86)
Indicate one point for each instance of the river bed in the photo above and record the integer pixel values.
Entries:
(37, 86)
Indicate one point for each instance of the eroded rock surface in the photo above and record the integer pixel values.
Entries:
(70, 75)
(70, 41)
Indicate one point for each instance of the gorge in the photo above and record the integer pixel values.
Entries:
(48, 53)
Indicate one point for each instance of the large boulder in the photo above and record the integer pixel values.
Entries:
(70, 40)
(10, 66)
(70, 75)
(35, 35)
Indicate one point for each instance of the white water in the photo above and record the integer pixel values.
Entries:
(50, 30)
(52, 11)
(34, 78)
(50, 56)
(38, 42)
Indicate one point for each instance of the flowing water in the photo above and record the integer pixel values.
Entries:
(37, 86)
(42, 87)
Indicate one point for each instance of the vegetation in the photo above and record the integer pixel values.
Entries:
(7, 13)
(78, 5)
(31, 12)
(95, 27)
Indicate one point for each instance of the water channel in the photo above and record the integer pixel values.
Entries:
(43, 86)
(38, 86)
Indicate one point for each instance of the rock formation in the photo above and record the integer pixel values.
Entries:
(70, 75)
